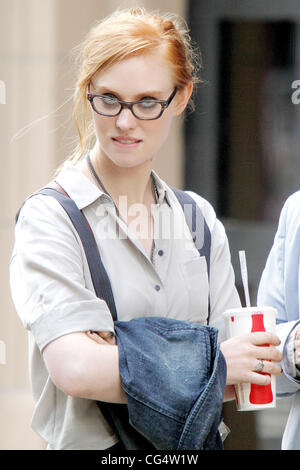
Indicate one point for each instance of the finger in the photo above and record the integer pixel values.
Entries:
(108, 336)
(259, 379)
(264, 337)
(297, 357)
(111, 340)
(95, 337)
(297, 344)
(269, 367)
(297, 335)
(269, 353)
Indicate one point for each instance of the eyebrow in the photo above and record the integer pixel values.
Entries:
(104, 89)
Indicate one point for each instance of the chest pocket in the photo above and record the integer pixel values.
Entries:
(196, 281)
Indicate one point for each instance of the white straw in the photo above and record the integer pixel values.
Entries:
(244, 272)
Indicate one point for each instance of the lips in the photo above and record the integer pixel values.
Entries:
(126, 140)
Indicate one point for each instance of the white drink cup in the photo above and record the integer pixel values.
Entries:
(250, 397)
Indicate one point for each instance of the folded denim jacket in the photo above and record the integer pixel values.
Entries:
(173, 374)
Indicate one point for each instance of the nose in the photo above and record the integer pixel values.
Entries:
(126, 120)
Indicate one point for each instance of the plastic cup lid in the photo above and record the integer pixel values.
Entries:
(249, 310)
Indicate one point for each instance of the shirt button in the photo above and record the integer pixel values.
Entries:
(160, 252)
(157, 287)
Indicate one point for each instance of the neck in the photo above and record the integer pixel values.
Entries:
(134, 183)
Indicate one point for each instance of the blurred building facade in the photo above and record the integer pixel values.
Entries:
(242, 146)
(238, 149)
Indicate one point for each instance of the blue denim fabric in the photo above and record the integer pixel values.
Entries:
(173, 374)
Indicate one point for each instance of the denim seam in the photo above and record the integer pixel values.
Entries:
(188, 327)
(214, 381)
(208, 354)
(196, 408)
(154, 406)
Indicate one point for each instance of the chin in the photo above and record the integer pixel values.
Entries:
(130, 162)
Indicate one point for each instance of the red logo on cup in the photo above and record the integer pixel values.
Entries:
(260, 394)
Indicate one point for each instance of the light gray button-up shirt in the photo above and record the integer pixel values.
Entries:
(280, 288)
(54, 296)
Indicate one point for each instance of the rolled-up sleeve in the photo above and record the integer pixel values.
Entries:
(49, 280)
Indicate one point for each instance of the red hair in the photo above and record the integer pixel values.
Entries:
(120, 35)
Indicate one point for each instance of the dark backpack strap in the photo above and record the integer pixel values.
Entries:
(99, 275)
(198, 227)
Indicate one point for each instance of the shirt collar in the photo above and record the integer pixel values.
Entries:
(78, 186)
(84, 192)
(162, 189)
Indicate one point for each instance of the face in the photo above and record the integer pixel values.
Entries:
(125, 140)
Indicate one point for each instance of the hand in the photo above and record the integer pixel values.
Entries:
(297, 349)
(243, 353)
(102, 337)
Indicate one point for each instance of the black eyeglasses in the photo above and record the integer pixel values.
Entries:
(146, 109)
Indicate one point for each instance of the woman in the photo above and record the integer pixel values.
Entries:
(137, 75)
(279, 287)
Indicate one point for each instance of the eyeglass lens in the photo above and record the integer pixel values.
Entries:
(110, 106)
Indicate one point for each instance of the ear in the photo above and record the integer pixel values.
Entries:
(183, 98)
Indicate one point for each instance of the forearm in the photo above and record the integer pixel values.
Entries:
(88, 370)
(100, 376)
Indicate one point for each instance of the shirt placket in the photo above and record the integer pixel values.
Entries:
(163, 241)
(158, 264)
